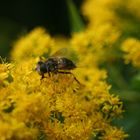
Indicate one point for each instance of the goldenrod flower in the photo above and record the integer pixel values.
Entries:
(36, 43)
(114, 134)
(102, 31)
(57, 107)
(11, 129)
(131, 47)
(5, 74)
(103, 19)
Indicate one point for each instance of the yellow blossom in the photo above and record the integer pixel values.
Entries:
(11, 129)
(5, 74)
(35, 43)
(131, 48)
(114, 134)
(56, 107)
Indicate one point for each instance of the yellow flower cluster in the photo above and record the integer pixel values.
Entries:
(5, 76)
(102, 31)
(108, 21)
(131, 47)
(56, 107)
(34, 44)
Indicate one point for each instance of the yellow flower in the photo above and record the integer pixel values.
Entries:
(56, 107)
(5, 74)
(131, 48)
(99, 11)
(114, 134)
(36, 43)
(11, 129)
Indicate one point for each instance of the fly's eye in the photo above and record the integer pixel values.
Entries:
(43, 67)
(39, 63)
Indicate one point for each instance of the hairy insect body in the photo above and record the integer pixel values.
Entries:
(54, 65)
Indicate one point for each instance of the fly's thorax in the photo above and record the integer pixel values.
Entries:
(51, 64)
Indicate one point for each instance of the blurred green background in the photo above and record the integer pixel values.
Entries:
(61, 17)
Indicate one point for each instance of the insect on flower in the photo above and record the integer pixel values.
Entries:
(56, 64)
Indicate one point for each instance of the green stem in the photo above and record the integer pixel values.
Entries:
(74, 16)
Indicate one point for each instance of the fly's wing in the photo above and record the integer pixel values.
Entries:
(68, 53)
(60, 53)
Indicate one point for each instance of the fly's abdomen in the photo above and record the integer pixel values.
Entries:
(65, 64)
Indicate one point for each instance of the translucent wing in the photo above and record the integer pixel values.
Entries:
(67, 53)
(63, 52)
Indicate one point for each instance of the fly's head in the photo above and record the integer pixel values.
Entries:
(41, 67)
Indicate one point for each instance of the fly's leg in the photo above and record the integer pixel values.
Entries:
(68, 72)
(42, 76)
